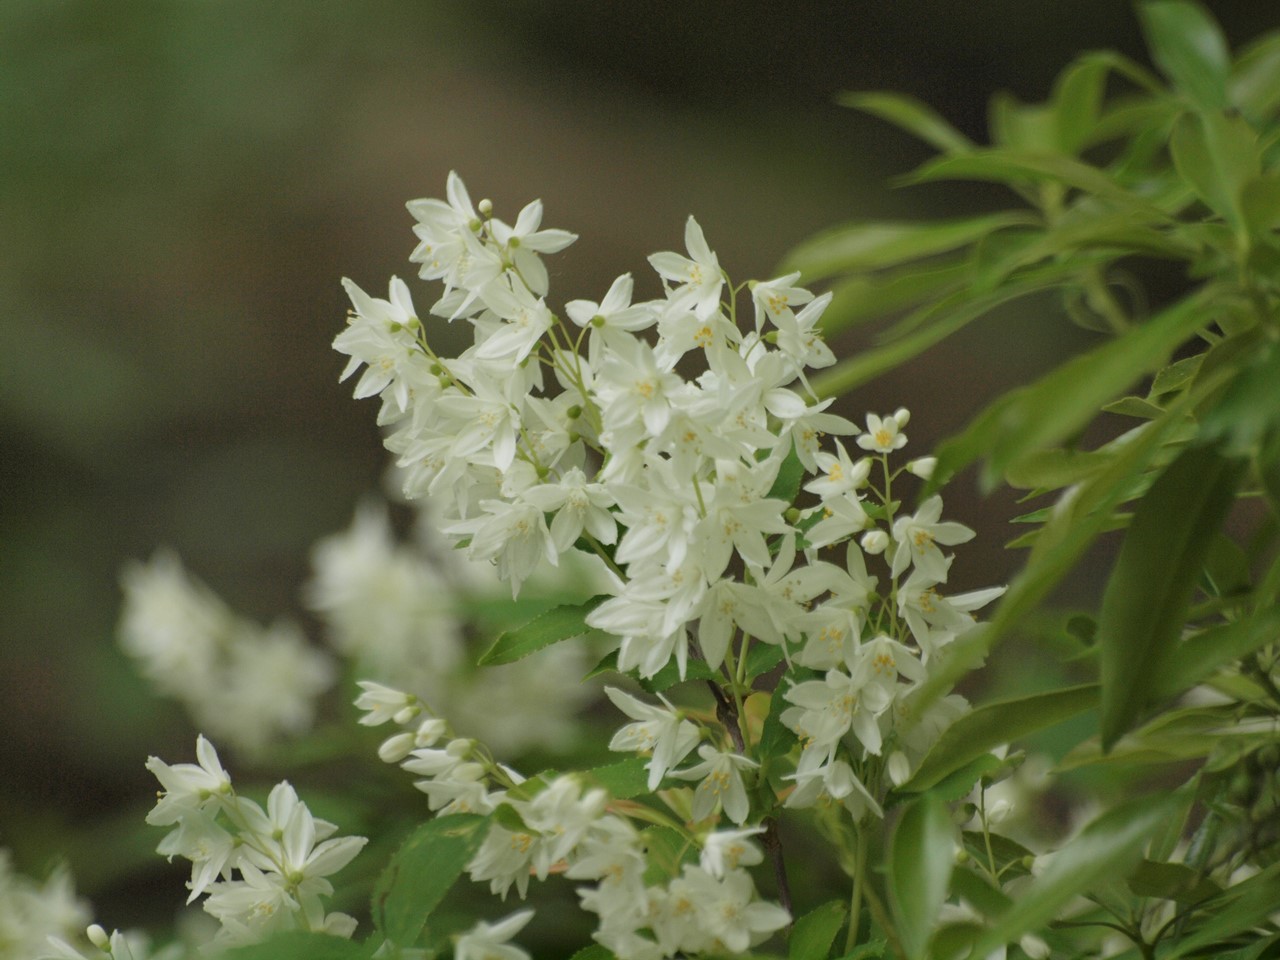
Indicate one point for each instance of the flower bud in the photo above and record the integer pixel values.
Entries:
(922, 467)
(459, 748)
(396, 748)
(902, 416)
(1033, 946)
(874, 542)
(485, 207)
(97, 936)
(405, 714)
(899, 768)
(429, 731)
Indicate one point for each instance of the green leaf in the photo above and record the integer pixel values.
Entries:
(1136, 407)
(1239, 910)
(1260, 204)
(1254, 87)
(957, 784)
(669, 675)
(1106, 849)
(668, 850)
(1249, 408)
(994, 724)
(876, 244)
(1216, 155)
(421, 873)
(762, 658)
(1052, 469)
(1014, 167)
(1145, 603)
(1176, 376)
(869, 296)
(625, 779)
(1172, 881)
(921, 857)
(560, 623)
(1189, 48)
(1201, 656)
(594, 951)
(786, 485)
(978, 890)
(910, 115)
(301, 945)
(1077, 101)
(813, 934)
(1061, 403)
(937, 321)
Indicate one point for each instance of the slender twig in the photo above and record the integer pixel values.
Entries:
(773, 846)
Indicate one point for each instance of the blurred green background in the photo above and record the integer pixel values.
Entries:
(182, 184)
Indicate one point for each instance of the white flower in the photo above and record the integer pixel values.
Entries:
(578, 506)
(188, 787)
(917, 538)
(525, 241)
(774, 299)
(726, 850)
(489, 941)
(721, 776)
(381, 703)
(699, 279)
(883, 434)
(612, 319)
(658, 729)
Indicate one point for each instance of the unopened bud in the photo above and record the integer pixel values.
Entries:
(923, 467)
(97, 936)
(902, 416)
(485, 207)
(792, 516)
(1033, 946)
(899, 768)
(429, 731)
(574, 412)
(962, 855)
(396, 748)
(459, 748)
(405, 714)
(874, 542)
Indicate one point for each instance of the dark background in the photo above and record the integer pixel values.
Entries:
(182, 184)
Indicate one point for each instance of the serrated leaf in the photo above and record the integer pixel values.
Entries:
(921, 856)
(786, 485)
(876, 244)
(669, 675)
(995, 724)
(762, 658)
(910, 115)
(1107, 848)
(560, 623)
(1189, 48)
(1059, 404)
(421, 873)
(957, 784)
(1145, 602)
(301, 945)
(813, 934)
(667, 850)
(624, 779)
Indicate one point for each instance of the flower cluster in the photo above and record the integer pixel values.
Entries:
(31, 912)
(705, 907)
(282, 854)
(672, 441)
(245, 684)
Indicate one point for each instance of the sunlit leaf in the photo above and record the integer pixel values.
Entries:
(1145, 603)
